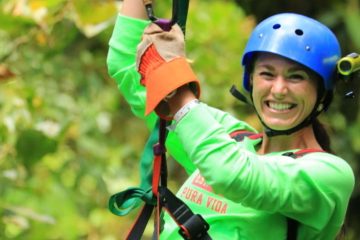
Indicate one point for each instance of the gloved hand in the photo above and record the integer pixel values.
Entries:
(162, 65)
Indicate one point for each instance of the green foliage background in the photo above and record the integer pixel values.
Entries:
(67, 138)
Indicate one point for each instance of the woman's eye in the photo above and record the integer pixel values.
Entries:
(297, 77)
(266, 74)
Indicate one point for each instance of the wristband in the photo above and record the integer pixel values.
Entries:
(185, 109)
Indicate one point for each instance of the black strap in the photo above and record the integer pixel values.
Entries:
(140, 223)
(237, 94)
(192, 226)
(292, 229)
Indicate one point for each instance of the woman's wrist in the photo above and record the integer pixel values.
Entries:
(175, 101)
(182, 96)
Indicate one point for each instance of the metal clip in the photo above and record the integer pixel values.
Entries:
(179, 14)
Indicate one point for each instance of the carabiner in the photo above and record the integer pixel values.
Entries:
(179, 14)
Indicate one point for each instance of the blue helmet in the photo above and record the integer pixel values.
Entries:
(296, 37)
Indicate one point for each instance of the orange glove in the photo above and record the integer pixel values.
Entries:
(162, 64)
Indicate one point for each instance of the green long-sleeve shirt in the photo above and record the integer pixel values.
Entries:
(241, 194)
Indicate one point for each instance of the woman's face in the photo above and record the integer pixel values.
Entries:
(284, 92)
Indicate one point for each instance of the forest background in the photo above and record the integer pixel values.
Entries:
(68, 140)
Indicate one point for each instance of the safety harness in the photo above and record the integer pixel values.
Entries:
(158, 196)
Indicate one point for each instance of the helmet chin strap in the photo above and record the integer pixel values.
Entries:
(309, 120)
(320, 106)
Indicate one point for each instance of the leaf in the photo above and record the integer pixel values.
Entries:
(15, 24)
(352, 19)
(32, 145)
(92, 17)
(37, 4)
(30, 213)
(5, 73)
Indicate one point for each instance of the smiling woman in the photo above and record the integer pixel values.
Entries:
(253, 188)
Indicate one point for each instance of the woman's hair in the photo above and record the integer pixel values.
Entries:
(323, 139)
(321, 135)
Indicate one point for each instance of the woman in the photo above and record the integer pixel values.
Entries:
(247, 189)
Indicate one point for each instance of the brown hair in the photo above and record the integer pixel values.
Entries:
(321, 135)
(323, 139)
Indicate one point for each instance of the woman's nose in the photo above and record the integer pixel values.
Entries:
(279, 87)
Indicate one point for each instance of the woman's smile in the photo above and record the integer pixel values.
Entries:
(281, 107)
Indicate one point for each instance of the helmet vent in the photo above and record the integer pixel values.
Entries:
(276, 26)
(299, 32)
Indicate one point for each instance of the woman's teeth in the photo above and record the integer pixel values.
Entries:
(280, 106)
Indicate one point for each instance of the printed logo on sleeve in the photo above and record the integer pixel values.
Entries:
(199, 181)
(216, 204)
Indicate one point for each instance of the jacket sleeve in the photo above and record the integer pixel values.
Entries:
(314, 190)
(121, 66)
(121, 61)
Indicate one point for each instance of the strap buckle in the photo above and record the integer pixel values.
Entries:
(194, 228)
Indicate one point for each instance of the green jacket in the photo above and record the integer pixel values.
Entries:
(241, 194)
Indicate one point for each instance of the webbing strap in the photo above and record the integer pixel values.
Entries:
(139, 225)
(192, 226)
(292, 229)
(123, 202)
(181, 12)
(159, 173)
(303, 152)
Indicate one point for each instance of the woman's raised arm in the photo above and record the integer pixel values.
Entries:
(133, 8)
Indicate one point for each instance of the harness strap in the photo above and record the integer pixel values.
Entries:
(292, 229)
(192, 226)
(159, 174)
(239, 135)
(303, 152)
(138, 228)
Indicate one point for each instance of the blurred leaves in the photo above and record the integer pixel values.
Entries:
(5, 73)
(32, 145)
(217, 66)
(68, 140)
(93, 17)
(352, 18)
